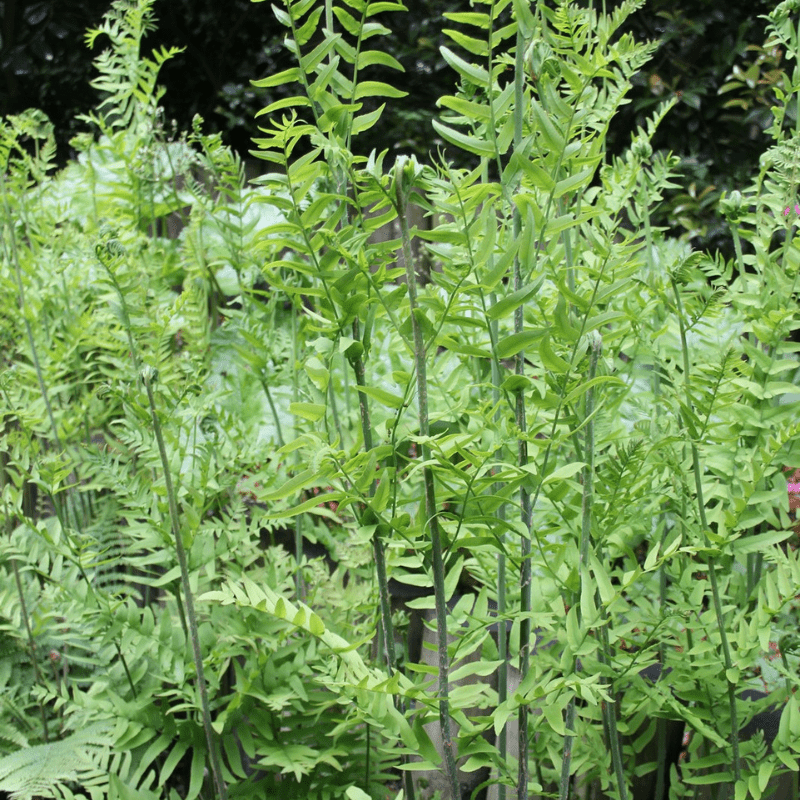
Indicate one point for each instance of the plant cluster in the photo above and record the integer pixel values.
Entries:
(585, 422)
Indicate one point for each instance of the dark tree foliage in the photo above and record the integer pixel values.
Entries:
(43, 60)
(703, 41)
(45, 64)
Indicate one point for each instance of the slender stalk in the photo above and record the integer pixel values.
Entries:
(502, 635)
(194, 636)
(609, 708)
(566, 756)
(274, 411)
(502, 639)
(712, 571)
(387, 628)
(522, 453)
(655, 382)
(401, 199)
(298, 534)
(609, 715)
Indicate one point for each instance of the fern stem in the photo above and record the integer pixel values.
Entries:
(493, 329)
(127, 671)
(655, 383)
(420, 357)
(387, 628)
(609, 707)
(583, 572)
(522, 451)
(274, 412)
(194, 635)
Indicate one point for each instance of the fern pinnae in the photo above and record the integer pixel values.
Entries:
(43, 770)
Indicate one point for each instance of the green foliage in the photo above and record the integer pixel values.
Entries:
(577, 406)
(43, 770)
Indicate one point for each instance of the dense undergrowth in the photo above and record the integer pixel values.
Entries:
(585, 422)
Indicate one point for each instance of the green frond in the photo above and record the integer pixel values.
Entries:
(610, 24)
(330, 69)
(127, 80)
(45, 770)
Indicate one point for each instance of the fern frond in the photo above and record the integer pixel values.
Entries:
(329, 72)
(44, 770)
(128, 80)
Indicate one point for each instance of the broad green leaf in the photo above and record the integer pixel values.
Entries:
(652, 556)
(373, 29)
(293, 485)
(472, 72)
(315, 625)
(311, 61)
(380, 7)
(553, 138)
(467, 108)
(516, 383)
(370, 58)
(343, 85)
(297, 101)
(310, 411)
(760, 542)
(588, 608)
(583, 387)
(502, 714)
(564, 473)
(525, 19)
(477, 47)
(363, 122)
(550, 360)
(354, 793)
(571, 183)
(382, 396)
(301, 7)
(469, 18)
(573, 629)
(536, 174)
(504, 307)
(553, 714)
(452, 578)
(376, 89)
(788, 759)
(348, 22)
(562, 322)
(317, 373)
(556, 225)
(282, 16)
(309, 27)
(471, 144)
(291, 75)
(604, 586)
(512, 345)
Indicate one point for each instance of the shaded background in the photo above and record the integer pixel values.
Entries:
(45, 63)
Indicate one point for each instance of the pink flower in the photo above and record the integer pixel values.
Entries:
(793, 488)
